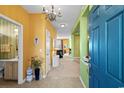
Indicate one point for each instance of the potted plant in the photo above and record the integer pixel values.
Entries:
(36, 64)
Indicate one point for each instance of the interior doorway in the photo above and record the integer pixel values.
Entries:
(77, 42)
(76, 46)
(6, 47)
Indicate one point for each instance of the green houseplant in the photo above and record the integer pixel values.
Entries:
(36, 64)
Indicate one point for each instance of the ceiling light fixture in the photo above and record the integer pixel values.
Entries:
(62, 25)
(53, 13)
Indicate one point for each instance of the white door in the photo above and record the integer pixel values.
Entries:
(48, 65)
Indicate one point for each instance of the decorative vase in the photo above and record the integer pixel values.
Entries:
(37, 73)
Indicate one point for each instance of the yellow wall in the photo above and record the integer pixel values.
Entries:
(18, 14)
(66, 42)
(33, 25)
(37, 29)
(38, 26)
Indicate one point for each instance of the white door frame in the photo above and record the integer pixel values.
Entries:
(20, 47)
(47, 68)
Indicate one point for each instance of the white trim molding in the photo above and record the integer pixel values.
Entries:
(20, 47)
(82, 82)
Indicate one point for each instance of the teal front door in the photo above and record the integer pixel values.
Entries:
(106, 46)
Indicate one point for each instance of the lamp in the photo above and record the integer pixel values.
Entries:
(52, 14)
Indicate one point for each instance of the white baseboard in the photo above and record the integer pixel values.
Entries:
(23, 81)
(44, 76)
(82, 82)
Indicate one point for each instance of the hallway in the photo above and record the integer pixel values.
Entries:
(64, 76)
(36, 36)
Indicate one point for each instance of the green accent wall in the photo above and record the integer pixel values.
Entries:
(84, 45)
(84, 50)
(82, 21)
